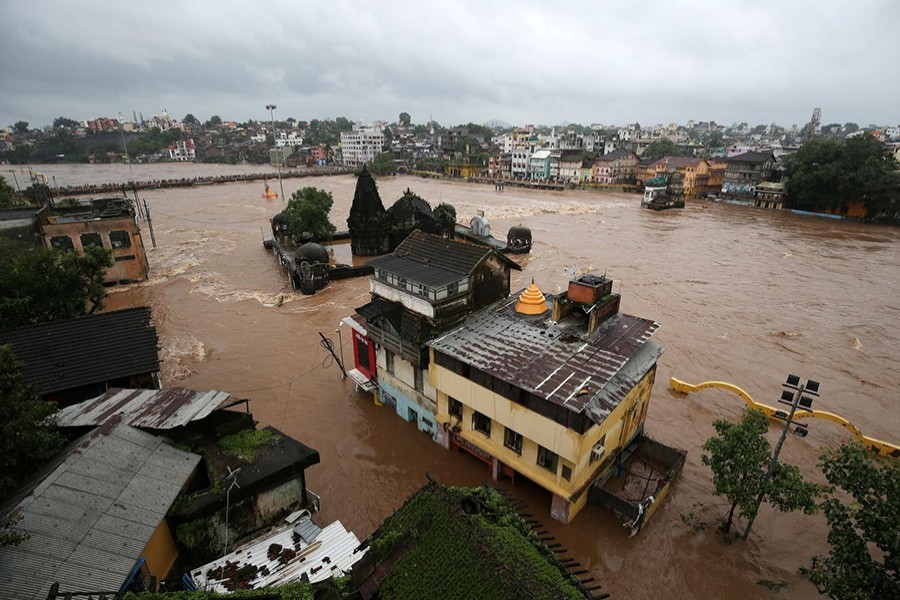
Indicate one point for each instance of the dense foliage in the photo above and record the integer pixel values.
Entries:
(383, 164)
(466, 543)
(863, 511)
(40, 284)
(27, 436)
(660, 148)
(828, 174)
(739, 456)
(307, 214)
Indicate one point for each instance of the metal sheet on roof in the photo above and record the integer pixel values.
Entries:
(551, 361)
(332, 553)
(88, 529)
(150, 409)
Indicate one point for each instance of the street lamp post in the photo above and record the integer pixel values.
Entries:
(794, 395)
(279, 157)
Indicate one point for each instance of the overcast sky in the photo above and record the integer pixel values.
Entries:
(458, 61)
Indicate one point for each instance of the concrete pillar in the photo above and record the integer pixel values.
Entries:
(442, 436)
(495, 469)
(559, 509)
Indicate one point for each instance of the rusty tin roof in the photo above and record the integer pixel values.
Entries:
(556, 362)
(149, 409)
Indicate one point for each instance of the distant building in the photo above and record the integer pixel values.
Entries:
(769, 195)
(745, 171)
(102, 124)
(289, 139)
(183, 150)
(616, 167)
(361, 145)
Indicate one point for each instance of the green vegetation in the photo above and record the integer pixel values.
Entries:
(42, 284)
(28, 437)
(739, 457)
(863, 511)
(9, 198)
(288, 591)
(466, 543)
(660, 148)
(195, 535)
(404, 119)
(326, 131)
(383, 164)
(246, 444)
(828, 174)
(307, 214)
(152, 142)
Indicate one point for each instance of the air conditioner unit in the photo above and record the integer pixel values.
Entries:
(598, 452)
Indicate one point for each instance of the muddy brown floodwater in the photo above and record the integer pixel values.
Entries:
(741, 295)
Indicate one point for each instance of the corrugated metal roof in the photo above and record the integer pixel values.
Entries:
(150, 409)
(550, 360)
(92, 516)
(332, 553)
(85, 350)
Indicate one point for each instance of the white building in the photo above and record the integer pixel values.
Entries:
(361, 145)
(519, 162)
(289, 139)
(183, 150)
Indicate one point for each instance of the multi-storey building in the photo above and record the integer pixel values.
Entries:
(183, 150)
(616, 167)
(549, 388)
(745, 171)
(361, 145)
(426, 286)
(519, 158)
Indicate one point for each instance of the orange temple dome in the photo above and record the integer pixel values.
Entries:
(531, 301)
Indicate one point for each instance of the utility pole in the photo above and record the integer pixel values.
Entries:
(794, 396)
(149, 223)
(279, 156)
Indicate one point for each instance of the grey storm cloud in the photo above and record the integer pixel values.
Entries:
(458, 61)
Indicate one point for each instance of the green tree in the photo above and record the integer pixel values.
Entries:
(850, 127)
(404, 119)
(863, 512)
(214, 121)
(190, 119)
(28, 438)
(445, 214)
(660, 148)
(739, 456)
(8, 196)
(20, 127)
(383, 164)
(307, 214)
(827, 174)
(42, 284)
(65, 123)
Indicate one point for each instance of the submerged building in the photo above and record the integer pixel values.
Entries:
(428, 285)
(551, 388)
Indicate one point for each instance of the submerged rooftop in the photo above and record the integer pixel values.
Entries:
(556, 361)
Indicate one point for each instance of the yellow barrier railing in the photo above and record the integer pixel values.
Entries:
(873, 445)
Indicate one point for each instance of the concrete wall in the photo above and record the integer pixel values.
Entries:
(129, 263)
(401, 387)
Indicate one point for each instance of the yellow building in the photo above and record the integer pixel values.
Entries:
(550, 388)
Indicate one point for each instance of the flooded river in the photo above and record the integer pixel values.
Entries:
(742, 295)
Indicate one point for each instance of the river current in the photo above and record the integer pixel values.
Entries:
(742, 295)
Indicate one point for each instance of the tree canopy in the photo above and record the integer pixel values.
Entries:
(863, 511)
(65, 123)
(190, 119)
(27, 436)
(660, 148)
(42, 284)
(307, 214)
(739, 456)
(8, 196)
(21, 126)
(404, 119)
(827, 174)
